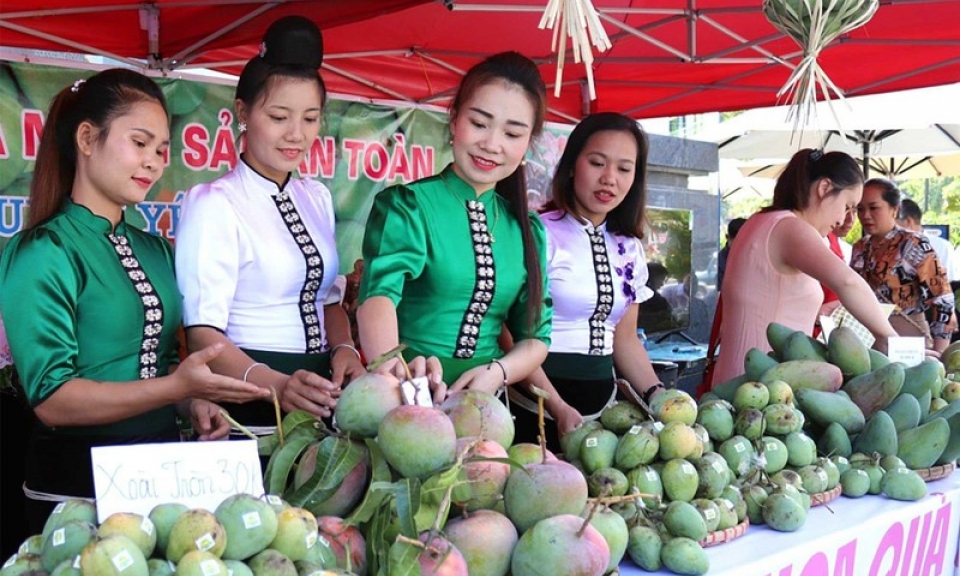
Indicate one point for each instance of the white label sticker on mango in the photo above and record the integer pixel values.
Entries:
(659, 426)
(251, 520)
(59, 508)
(635, 429)
(122, 560)
(59, 536)
(274, 500)
(651, 475)
(709, 514)
(10, 561)
(205, 542)
(739, 447)
(687, 467)
(76, 563)
(210, 568)
(718, 466)
(324, 541)
(590, 442)
(311, 539)
(147, 526)
(822, 474)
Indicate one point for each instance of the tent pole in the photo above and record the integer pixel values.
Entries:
(866, 159)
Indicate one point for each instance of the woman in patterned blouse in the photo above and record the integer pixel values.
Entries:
(900, 265)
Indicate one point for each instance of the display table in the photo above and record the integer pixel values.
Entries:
(868, 536)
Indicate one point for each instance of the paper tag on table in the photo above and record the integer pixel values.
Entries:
(910, 350)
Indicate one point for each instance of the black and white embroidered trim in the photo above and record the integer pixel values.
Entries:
(483, 288)
(152, 307)
(601, 267)
(313, 334)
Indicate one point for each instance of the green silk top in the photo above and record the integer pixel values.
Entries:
(420, 251)
(71, 310)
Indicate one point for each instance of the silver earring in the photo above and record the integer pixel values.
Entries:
(242, 127)
(523, 162)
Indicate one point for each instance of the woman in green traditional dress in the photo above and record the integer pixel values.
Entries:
(90, 303)
(452, 258)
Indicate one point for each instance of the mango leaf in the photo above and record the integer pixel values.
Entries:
(514, 465)
(431, 497)
(378, 464)
(377, 540)
(281, 462)
(408, 503)
(404, 560)
(326, 481)
(301, 418)
(375, 497)
(267, 445)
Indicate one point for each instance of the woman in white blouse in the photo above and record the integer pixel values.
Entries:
(255, 251)
(597, 273)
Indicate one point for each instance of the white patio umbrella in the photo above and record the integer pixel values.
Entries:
(912, 123)
(893, 167)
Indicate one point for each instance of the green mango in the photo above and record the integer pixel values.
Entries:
(879, 435)
(644, 546)
(800, 346)
(66, 542)
(903, 484)
(805, 374)
(716, 417)
(825, 408)
(783, 513)
(621, 416)
(952, 452)
(920, 447)
(685, 556)
(598, 450)
(726, 389)
(834, 441)
(646, 480)
(877, 359)
(638, 446)
(571, 441)
(873, 391)
(684, 520)
(777, 335)
(924, 377)
(756, 362)
(680, 480)
(905, 411)
(946, 412)
(714, 475)
(847, 351)
(854, 482)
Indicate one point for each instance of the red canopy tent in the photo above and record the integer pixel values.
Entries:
(669, 57)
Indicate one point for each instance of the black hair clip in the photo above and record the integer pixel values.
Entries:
(816, 155)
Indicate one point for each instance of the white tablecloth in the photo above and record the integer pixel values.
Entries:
(868, 536)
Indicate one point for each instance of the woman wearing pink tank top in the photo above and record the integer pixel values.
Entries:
(775, 268)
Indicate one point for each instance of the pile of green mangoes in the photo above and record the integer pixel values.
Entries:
(245, 535)
(658, 471)
(876, 421)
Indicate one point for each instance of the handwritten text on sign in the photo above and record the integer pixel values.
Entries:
(196, 474)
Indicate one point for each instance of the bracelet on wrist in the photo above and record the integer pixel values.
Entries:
(650, 391)
(502, 369)
(347, 346)
(246, 373)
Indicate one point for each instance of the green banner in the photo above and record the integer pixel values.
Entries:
(362, 148)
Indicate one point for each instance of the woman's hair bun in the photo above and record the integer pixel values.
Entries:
(293, 41)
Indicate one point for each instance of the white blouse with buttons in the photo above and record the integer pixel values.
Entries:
(595, 276)
(243, 270)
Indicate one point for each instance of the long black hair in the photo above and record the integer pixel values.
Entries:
(627, 218)
(516, 69)
(98, 100)
(808, 166)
